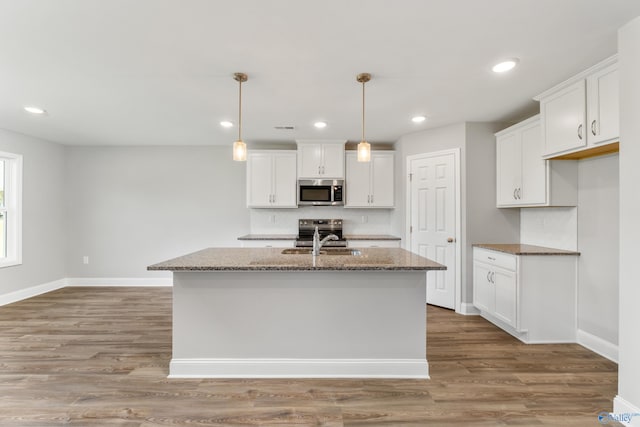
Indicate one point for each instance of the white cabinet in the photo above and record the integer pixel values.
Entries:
(268, 243)
(532, 297)
(321, 159)
(523, 178)
(373, 243)
(271, 179)
(582, 112)
(370, 184)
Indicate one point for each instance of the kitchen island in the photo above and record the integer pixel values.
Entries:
(247, 313)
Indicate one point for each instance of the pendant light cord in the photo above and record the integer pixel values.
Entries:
(363, 110)
(240, 111)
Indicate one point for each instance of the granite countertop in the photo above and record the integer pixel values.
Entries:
(295, 236)
(272, 259)
(518, 249)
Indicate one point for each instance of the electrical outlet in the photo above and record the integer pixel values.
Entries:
(85, 259)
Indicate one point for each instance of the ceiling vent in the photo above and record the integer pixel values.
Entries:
(285, 127)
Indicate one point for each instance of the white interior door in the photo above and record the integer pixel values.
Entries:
(433, 222)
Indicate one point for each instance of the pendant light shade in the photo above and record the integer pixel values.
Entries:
(364, 148)
(239, 147)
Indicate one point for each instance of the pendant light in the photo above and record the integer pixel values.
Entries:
(364, 148)
(239, 147)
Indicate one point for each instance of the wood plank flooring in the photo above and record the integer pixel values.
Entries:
(100, 356)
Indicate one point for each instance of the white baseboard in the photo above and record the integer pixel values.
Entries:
(120, 281)
(597, 345)
(32, 291)
(624, 410)
(468, 309)
(299, 368)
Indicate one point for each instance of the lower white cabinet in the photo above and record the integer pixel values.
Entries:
(373, 243)
(532, 297)
(267, 243)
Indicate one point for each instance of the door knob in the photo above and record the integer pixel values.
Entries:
(451, 240)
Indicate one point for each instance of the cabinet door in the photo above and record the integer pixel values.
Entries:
(504, 282)
(483, 290)
(603, 109)
(259, 180)
(284, 180)
(563, 119)
(382, 180)
(309, 160)
(534, 168)
(358, 182)
(333, 161)
(509, 168)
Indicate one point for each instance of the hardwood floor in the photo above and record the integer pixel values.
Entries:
(100, 356)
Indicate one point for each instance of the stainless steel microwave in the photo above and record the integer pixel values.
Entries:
(320, 192)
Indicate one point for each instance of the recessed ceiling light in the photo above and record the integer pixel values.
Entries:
(320, 125)
(226, 124)
(505, 66)
(418, 119)
(35, 110)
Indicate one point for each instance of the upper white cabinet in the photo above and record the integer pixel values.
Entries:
(523, 178)
(271, 179)
(321, 159)
(370, 184)
(582, 112)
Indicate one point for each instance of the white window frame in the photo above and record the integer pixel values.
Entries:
(13, 208)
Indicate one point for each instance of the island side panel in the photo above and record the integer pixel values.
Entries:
(244, 323)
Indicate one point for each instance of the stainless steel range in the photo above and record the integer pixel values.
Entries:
(306, 228)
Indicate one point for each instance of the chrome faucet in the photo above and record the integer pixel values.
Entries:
(317, 243)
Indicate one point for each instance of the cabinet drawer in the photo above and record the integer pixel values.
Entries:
(498, 259)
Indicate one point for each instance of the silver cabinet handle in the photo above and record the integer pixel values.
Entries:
(319, 170)
(493, 277)
(519, 193)
(593, 127)
(514, 193)
(274, 198)
(489, 276)
(491, 258)
(322, 170)
(372, 198)
(580, 131)
(368, 198)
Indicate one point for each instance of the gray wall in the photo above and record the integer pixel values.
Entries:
(134, 206)
(598, 242)
(629, 348)
(43, 220)
(481, 220)
(484, 222)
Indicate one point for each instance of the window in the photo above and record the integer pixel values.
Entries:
(10, 209)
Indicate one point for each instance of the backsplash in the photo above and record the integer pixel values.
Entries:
(285, 221)
(551, 227)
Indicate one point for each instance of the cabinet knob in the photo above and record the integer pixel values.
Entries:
(593, 128)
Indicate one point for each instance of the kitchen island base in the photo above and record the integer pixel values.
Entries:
(299, 324)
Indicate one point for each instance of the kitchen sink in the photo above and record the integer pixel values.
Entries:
(325, 251)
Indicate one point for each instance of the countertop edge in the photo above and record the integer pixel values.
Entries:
(294, 237)
(541, 250)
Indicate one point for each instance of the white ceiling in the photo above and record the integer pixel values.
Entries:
(159, 72)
